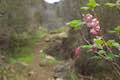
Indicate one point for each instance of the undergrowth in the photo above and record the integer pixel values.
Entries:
(44, 60)
(25, 53)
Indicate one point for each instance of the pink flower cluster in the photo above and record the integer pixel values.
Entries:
(77, 52)
(92, 23)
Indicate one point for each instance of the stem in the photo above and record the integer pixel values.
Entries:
(116, 65)
(116, 75)
(83, 37)
(107, 46)
(116, 72)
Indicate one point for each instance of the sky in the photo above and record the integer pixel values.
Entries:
(52, 1)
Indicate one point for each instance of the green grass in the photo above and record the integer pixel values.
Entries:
(59, 30)
(53, 62)
(39, 35)
(73, 76)
(25, 53)
(26, 58)
(50, 61)
(42, 56)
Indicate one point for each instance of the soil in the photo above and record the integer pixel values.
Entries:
(40, 72)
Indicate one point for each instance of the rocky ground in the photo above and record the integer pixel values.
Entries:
(57, 69)
(46, 71)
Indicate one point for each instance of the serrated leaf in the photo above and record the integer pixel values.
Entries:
(87, 46)
(76, 24)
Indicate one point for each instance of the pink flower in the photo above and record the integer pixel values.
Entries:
(89, 25)
(97, 28)
(77, 52)
(92, 23)
(93, 31)
(88, 17)
(94, 20)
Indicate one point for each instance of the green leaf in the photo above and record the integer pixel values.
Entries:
(113, 43)
(117, 56)
(118, 2)
(87, 46)
(117, 28)
(85, 8)
(76, 24)
(96, 57)
(110, 43)
(92, 4)
(112, 31)
(110, 56)
(111, 4)
(99, 41)
(102, 52)
(117, 45)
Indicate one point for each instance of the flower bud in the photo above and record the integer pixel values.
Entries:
(77, 52)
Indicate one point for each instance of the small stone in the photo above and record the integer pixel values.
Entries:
(31, 73)
(47, 40)
(50, 57)
(59, 79)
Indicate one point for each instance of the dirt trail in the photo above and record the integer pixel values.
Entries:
(40, 72)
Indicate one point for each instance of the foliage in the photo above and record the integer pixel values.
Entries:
(15, 23)
(117, 28)
(106, 50)
(25, 58)
(59, 30)
(9, 72)
(76, 24)
(98, 41)
(92, 4)
(87, 46)
(44, 60)
(73, 76)
(24, 45)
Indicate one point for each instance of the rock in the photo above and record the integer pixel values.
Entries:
(22, 64)
(50, 57)
(62, 70)
(57, 36)
(63, 35)
(59, 79)
(31, 73)
(47, 40)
